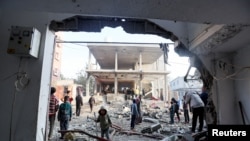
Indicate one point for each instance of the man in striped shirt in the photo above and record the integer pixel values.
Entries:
(53, 107)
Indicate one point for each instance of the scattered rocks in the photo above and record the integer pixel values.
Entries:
(154, 126)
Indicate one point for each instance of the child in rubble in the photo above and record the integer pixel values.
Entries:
(172, 112)
(105, 122)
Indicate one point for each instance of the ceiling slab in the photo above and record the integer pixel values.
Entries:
(197, 11)
(128, 54)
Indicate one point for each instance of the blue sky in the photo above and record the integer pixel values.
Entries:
(75, 56)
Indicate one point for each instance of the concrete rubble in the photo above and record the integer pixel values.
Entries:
(154, 126)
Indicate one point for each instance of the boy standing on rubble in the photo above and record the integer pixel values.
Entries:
(105, 122)
(64, 115)
(172, 112)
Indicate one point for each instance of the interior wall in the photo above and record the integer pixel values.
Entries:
(222, 89)
(22, 113)
(242, 82)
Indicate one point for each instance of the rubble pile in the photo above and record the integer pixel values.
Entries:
(154, 127)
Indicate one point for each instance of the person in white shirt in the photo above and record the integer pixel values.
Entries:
(197, 105)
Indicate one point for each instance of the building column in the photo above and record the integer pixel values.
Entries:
(140, 69)
(100, 88)
(140, 61)
(157, 81)
(95, 88)
(153, 88)
(89, 61)
(158, 88)
(87, 85)
(116, 86)
(116, 60)
(116, 68)
(88, 75)
(165, 95)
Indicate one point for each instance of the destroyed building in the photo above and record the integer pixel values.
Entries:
(214, 34)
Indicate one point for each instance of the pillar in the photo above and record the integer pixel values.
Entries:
(116, 86)
(87, 85)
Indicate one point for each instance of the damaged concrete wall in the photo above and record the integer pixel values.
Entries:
(24, 109)
(242, 82)
(223, 93)
(195, 30)
(179, 29)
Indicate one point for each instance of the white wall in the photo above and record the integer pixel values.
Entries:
(223, 89)
(242, 89)
(45, 85)
(24, 111)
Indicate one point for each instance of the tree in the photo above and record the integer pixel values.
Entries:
(82, 80)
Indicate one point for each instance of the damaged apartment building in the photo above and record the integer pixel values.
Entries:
(214, 34)
(139, 67)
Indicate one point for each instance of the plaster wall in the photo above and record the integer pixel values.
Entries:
(242, 82)
(194, 30)
(25, 109)
(223, 92)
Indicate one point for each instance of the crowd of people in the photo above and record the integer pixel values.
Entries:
(64, 113)
(191, 102)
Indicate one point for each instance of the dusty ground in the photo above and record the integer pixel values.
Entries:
(120, 116)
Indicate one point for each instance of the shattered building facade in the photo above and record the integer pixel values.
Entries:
(139, 67)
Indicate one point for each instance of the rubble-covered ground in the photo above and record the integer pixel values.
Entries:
(154, 126)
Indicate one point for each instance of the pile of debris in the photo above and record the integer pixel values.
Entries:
(154, 127)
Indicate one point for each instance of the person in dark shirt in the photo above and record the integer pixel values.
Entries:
(64, 115)
(91, 103)
(79, 103)
(172, 112)
(176, 108)
(134, 114)
(204, 95)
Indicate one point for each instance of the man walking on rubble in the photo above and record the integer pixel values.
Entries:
(134, 114)
(197, 105)
(91, 102)
(138, 103)
(79, 103)
(204, 97)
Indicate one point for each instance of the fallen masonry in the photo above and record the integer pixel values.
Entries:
(154, 126)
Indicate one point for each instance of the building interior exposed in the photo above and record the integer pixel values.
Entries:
(214, 34)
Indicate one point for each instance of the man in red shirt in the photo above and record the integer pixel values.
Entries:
(70, 98)
(53, 107)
